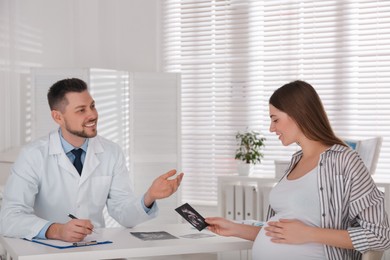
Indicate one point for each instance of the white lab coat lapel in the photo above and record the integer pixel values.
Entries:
(91, 160)
(55, 148)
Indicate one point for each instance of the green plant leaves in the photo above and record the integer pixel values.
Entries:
(249, 147)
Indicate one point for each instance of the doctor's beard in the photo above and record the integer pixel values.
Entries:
(81, 133)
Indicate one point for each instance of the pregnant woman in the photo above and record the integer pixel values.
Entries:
(326, 206)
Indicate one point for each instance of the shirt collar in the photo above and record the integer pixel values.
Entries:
(333, 148)
(68, 147)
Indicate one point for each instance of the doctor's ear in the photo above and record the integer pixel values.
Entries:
(57, 116)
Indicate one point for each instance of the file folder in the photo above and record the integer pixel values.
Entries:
(250, 205)
(229, 202)
(265, 190)
(239, 202)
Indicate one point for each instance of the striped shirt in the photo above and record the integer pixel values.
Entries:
(349, 200)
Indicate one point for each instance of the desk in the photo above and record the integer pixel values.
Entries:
(126, 246)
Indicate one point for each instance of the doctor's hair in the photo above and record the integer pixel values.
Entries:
(56, 94)
(300, 101)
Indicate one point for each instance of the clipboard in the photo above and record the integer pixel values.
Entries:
(64, 245)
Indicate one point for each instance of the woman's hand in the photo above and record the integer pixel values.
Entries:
(289, 231)
(221, 226)
(228, 228)
(292, 231)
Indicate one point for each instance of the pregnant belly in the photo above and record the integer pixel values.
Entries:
(265, 249)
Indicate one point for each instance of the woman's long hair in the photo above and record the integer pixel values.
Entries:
(301, 102)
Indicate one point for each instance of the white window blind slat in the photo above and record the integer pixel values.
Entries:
(233, 54)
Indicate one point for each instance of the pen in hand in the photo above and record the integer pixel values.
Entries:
(73, 217)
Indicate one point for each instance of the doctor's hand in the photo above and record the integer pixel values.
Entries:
(289, 231)
(162, 187)
(73, 231)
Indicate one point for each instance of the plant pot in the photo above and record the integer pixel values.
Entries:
(245, 169)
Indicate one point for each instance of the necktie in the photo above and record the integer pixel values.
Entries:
(77, 161)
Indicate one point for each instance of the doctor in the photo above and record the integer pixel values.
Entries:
(50, 180)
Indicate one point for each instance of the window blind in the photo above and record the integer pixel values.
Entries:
(233, 54)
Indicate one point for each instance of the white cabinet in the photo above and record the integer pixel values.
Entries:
(246, 197)
(255, 196)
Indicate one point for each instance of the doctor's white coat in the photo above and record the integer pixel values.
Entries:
(44, 186)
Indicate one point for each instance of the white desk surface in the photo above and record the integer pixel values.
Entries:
(126, 245)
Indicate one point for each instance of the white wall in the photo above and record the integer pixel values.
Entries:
(120, 34)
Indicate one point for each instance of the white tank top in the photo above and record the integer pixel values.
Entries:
(292, 199)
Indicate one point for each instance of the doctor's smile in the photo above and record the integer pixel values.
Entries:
(91, 124)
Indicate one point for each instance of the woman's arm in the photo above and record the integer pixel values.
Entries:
(290, 231)
(370, 225)
(228, 228)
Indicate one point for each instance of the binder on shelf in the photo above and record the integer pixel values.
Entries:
(229, 202)
(239, 202)
(266, 189)
(250, 205)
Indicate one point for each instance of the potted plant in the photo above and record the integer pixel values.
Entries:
(249, 151)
